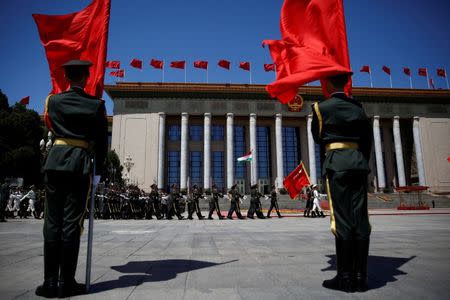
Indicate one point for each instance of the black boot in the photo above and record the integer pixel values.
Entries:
(51, 268)
(360, 265)
(210, 216)
(69, 258)
(344, 263)
(322, 214)
(313, 214)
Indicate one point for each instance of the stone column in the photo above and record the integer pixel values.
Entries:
(253, 179)
(311, 152)
(378, 153)
(418, 149)
(207, 151)
(279, 147)
(398, 151)
(230, 148)
(161, 150)
(184, 150)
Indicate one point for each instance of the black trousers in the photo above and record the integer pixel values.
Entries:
(234, 207)
(273, 204)
(214, 206)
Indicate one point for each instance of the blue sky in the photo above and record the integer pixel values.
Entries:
(400, 33)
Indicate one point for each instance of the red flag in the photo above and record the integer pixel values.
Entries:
(244, 65)
(269, 67)
(407, 71)
(201, 64)
(313, 46)
(80, 35)
(387, 70)
(441, 73)
(432, 84)
(136, 63)
(365, 69)
(178, 64)
(113, 64)
(296, 181)
(423, 72)
(224, 64)
(25, 100)
(118, 73)
(157, 64)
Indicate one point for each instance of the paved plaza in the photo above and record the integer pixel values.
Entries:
(275, 258)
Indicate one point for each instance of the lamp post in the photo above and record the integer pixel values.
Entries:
(128, 164)
(46, 145)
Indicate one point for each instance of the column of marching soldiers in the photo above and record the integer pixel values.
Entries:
(130, 202)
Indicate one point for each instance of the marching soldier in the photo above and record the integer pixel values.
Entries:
(235, 198)
(214, 203)
(316, 210)
(173, 203)
(255, 203)
(194, 205)
(274, 202)
(4, 198)
(155, 202)
(342, 128)
(78, 121)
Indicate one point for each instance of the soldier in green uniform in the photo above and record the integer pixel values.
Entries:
(343, 130)
(78, 122)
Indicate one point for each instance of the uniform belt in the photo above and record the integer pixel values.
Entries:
(341, 145)
(72, 142)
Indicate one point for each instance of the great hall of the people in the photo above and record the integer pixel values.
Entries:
(187, 133)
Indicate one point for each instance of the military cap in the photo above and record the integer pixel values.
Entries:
(153, 185)
(77, 63)
(254, 186)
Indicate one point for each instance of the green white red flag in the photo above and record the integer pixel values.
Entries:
(246, 157)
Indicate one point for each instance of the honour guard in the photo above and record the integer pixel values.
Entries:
(155, 202)
(214, 203)
(255, 203)
(194, 205)
(316, 209)
(235, 199)
(274, 202)
(173, 203)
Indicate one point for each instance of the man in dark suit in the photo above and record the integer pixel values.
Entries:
(78, 122)
(343, 130)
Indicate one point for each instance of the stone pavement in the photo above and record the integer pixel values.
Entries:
(284, 258)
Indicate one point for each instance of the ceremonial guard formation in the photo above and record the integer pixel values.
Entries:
(235, 198)
(193, 203)
(174, 203)
(274, 202)
(255, 203)
(214, 203)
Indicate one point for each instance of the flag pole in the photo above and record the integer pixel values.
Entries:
(370, 77)
(206, 74)
(410, 81)
(428, 79)
(446, 78)
(163, 71)
(390, 79)
(91, 230)
(184, 73)
(250, 73)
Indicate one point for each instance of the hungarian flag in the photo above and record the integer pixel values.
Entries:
(179, 64)
(313, 46)
(25, 100)
(246, 157)
(365, 69)
(118, 73)
(224, 64)
(407, 71)
(157, 64)
(201, 64)
(80, 35)
(441, 73)
(387, 70)
(296, 181)
(269, 67)
(113, 64)
(136, 63)
(423, 72)
(245, 65)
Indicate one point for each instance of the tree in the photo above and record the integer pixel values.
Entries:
(113, 171)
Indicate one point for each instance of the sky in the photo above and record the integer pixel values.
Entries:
(400, 33)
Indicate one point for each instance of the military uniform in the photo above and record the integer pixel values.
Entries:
(173, 204)
(274, 203)
(194, 205)
(342, 128)
(155, 202)
(255, 203)
(234, 203)
(4, 197)
(214, 203)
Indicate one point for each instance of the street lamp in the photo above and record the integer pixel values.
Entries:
(128, 164)
(46, 146)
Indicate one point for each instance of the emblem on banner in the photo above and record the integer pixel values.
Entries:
(296, 104)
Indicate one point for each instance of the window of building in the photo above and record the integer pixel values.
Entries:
(263, 149)
(196, 169)
(217, 132)
(290, 149)
(196, 132)
(218, 169)
(174, 133)
(240, 169)
(173, 168)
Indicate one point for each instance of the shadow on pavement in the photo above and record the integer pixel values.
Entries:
(150, 271)
(381, 269)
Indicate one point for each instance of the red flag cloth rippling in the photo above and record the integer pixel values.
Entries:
(313, 46)
(269, 67)
(118, 73)
(244, 65)
(113, 64)
(365, 69)
(178, 64)
(441, 73)
(136, 63)
(224, 64)
(296, 181)
(423, 72)
(201, 64)
(407, 71)
(80, 35)
(387, 70)
(157, 64)
(25, 100)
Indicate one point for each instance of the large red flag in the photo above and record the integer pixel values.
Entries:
(113, 64)
(365, 69)
(179, 64)
(201, 64)
(313, 46)
(25, 100)
(80, 35)
(157, 64)
(269, 67)
(296, 181)
(224, 64)
(387, 70)
(118, 73)
(423, 72)
(136, 63)
(441, 73)
(407, 71)
(245, 65)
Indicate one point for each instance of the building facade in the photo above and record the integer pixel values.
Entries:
(193, 134)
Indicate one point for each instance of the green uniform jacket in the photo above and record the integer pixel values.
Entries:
(76, 115)
(341, 119)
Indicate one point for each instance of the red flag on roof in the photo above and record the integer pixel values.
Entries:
(118, 73)
(113, 64)
(224, 64)
(441, 73)
(407, 71)
(25, 100)
(313, 46)
(136, 63)
(387, 70)
(201, 64)
(245, 65)
(157, 64)
(365, 69)
(179, 64)
(269, 67)
(80, 35)
(296, 181)
(423, 72)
